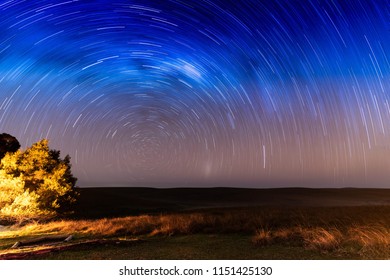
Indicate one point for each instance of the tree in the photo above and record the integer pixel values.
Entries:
(8, 143)
(36, 183)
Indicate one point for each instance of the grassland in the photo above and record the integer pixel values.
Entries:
(214, 224)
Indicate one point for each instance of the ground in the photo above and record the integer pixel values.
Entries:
(216, 223)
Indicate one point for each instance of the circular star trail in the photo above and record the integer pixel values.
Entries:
(202, 93)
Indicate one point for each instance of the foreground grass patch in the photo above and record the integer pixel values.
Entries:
(363, 242)
(189, 247)
(341, 232)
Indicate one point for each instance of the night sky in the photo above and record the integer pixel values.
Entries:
(202, 93)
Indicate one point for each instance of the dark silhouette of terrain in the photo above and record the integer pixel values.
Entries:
(117, 202)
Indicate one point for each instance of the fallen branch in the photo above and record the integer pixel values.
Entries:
(42, 240)
(95, 242)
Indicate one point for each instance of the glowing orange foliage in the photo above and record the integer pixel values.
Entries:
(36, 183)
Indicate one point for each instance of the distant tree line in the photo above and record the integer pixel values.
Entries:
(36, 183)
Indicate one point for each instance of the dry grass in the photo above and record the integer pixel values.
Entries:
(367, 232)
(322, 239)
(375, 235)
(263, 237)
(367, 241)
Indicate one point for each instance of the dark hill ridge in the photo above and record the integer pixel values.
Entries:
(114, 201)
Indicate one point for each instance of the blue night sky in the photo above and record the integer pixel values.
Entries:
(202, 93)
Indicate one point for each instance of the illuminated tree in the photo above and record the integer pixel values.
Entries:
(36, 183)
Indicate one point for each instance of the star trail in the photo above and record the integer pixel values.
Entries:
(202, 93)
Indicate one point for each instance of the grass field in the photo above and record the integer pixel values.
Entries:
(212, 224)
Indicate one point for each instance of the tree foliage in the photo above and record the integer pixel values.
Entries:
(36, 183)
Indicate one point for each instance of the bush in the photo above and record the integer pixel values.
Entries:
(36, 183)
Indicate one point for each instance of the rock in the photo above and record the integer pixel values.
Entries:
(69, 238)
(16, 245)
